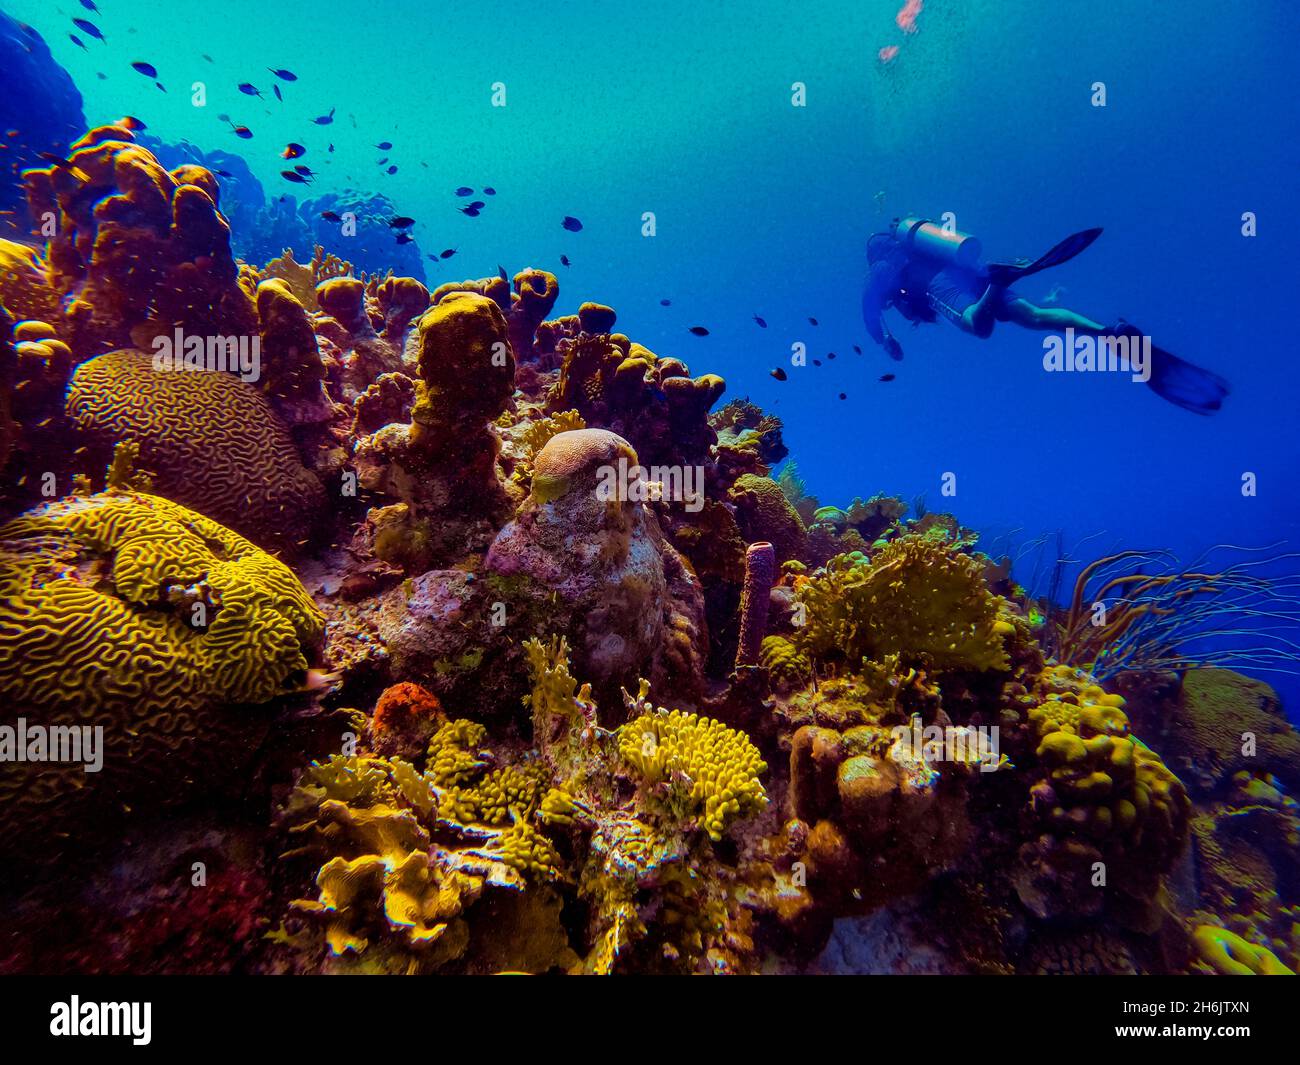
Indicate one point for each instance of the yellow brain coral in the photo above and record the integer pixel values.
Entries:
(129, 601)
(126, 611)
(709, 771)
(212, 442)
(917, 598)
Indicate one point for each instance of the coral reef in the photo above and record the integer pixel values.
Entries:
(392, 603)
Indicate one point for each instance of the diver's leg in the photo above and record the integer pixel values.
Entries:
(979, 317)
(1031, 316)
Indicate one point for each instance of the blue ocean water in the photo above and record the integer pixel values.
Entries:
(763, 208)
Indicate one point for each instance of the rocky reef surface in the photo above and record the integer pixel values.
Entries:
(459, 634)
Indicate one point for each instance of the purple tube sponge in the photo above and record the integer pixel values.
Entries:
(760, 575)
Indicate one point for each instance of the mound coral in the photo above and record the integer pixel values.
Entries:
(764, 514)
(632, 599)
(128, 610)
(211, 441)
(1103, 796)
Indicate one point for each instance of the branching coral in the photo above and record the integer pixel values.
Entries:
(696, 767)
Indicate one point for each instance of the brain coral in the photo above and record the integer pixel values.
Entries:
(211, 441)
(129, 611)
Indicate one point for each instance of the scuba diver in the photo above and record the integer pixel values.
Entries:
(926, 271)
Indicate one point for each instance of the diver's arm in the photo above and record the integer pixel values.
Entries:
(878, 294)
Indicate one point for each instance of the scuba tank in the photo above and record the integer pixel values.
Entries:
(923, 237)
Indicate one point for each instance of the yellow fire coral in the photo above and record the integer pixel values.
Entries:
(212, 442)
(708, 771)
(1230, 955)
(917, 598)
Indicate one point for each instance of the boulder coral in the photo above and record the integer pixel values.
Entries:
(631, 597)
(211, 441)
(129, 611)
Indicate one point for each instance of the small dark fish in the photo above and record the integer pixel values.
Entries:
(331, 216)
(249, 89)
(571, 224)
(89, 5)
(405, 238)
(699, 331)
(665, 303)
(817, 362)
(830, 354)
(887, 377)
(77, 41)
(779, 374)
(812, 321)
(844, 395)
(381, 162)
(391, 170)
(223, 173)
(464, 190)
(131, 122)
(88, 28)
(276, 89)
(208, 58)
(448, 253)
(305, 171)
(325, 120)
(471, 211)
(488, 190)
(401, 222)
(101, 75)
(294, 176)
(761, 324)
(432, 256)
(56, 160)
(384, 146)
(283, 75)
(292, 150)
(478, 205)
(331, 148)
(501, 273)
(147, 69)
(564, 261)
(857, 349)
(243, 132)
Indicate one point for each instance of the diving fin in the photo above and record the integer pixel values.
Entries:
(1004, 274)
(1178, 381)
(1185, 385)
